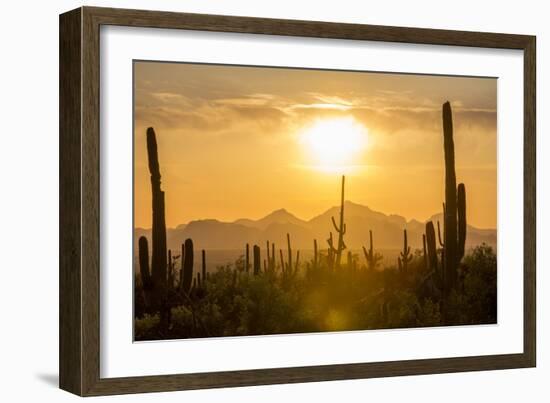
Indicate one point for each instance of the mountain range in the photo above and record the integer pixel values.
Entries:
(387, 230)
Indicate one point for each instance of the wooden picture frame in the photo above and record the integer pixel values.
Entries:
(79, 201)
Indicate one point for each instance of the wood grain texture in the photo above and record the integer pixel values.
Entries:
(530, 202)
(70, 314)
(80, 195)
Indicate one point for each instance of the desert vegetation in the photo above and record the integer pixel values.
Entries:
(271, 289)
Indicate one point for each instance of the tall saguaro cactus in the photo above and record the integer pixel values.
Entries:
(454, 211)
(159, 253)
(341, 228)
(450, 228)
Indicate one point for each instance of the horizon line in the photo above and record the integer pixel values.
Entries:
(407, 221)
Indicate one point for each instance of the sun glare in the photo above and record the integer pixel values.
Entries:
(335, 144)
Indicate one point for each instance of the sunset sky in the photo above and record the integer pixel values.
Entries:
(240, 142)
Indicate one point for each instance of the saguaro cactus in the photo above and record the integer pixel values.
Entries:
(270, 262)
(450, 228)
(371, 257)
(430, 246)
(159, 253)
(256, 259)
(186, 272)
(424, 253)
(289, 250)
(247, 258)
(405, 256)
(315, 254)
(144, 272)
(341, 228)
(170, 274)
(454, 208)
(461, 211)
(203, 258)
(273, 258)
(331, 253)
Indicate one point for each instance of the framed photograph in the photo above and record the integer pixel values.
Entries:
(249, 201)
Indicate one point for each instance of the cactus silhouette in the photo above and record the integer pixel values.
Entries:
(291, 265)
(340, 228)
(270, 262)
(143, 251)
(371, 257)
(159, 252)
(454, 209)
(256, 259)
(461, 212)
(430, 246)
(331, 251)
(315, 254)
(268, 251)
(450, 215)
(405, 256)
(203, 259)
(170, 278)
(424, 253)
(247, 258)
(273, 259)
(289, 250)
(186, 272)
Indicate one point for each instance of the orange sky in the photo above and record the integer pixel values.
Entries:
(240, 142)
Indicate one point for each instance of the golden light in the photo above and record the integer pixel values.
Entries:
(335, 144)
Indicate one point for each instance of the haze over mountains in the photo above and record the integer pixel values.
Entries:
(387, 230)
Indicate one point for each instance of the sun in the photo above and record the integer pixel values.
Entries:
(334, 145)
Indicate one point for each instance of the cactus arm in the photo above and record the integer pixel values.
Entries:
(366, 255)
(334, 224)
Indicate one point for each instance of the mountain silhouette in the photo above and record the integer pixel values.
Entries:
(280, 216)
(387, 231)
